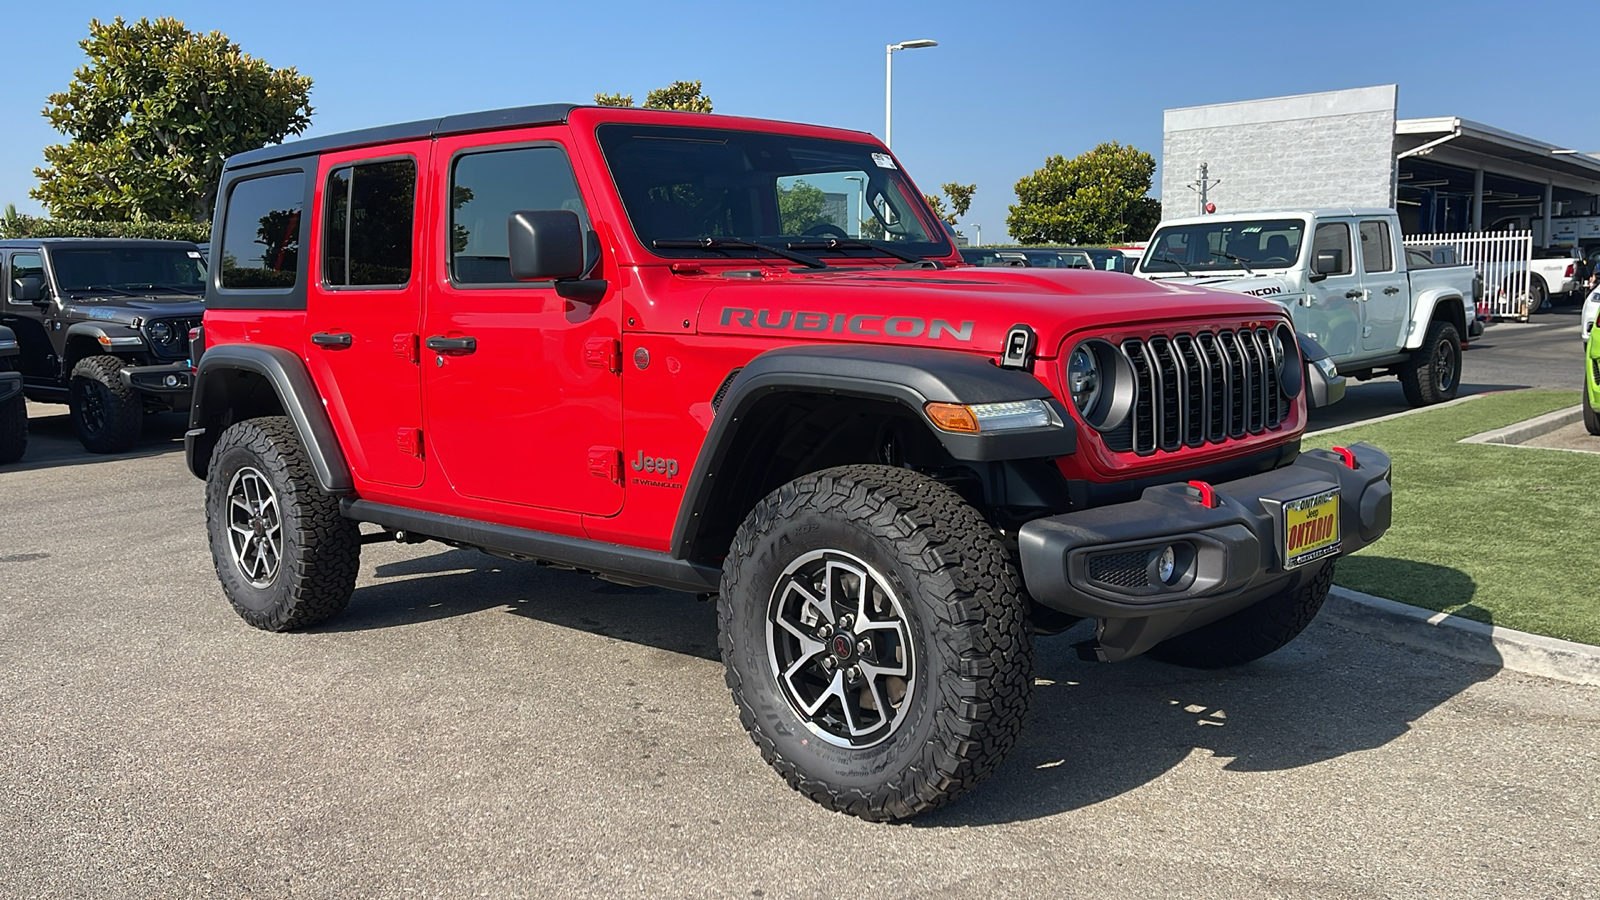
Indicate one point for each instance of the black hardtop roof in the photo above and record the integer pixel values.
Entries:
(488, 120)
(108, 243)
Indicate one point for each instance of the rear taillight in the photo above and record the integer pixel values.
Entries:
(1572, 269)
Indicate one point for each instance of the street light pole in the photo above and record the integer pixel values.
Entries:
(888, 83)
(979, 229)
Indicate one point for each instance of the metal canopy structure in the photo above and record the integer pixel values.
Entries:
(1454, 174)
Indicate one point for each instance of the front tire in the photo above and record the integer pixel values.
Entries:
(13, 429)
(1252, 632)
(1591, 417)
(1433, 374)
(285, 556)
(106, 413)
(874, 638)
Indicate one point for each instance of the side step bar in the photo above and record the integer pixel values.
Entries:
(627, 564)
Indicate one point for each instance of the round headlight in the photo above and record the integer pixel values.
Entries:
(1286, 350)
(1277, 344)
(161, 333)
(1083, 379)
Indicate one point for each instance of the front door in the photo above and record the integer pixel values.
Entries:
(1387, 291)
(364, 307)
(38, 360)
(523, 396)
(1331, 311)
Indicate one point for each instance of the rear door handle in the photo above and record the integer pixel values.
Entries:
(1391, 290)
(333, 340)
(1353, 295)
(460, 345)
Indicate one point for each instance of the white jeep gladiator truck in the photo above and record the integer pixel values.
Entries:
(1342, 274)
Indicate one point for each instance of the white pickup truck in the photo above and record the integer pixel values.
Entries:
(1342, 274)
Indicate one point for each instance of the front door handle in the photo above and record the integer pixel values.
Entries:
(1391, 290)
(458, 346)
(1353, 295)
(333, 340)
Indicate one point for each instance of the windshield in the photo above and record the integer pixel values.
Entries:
(682, 184)
(122, 270)
(1210, 246)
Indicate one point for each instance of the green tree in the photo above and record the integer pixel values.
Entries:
(800, 207)
(1096, 198)
(685, 96)
(936, 203)
(960, 198)
(152, 117)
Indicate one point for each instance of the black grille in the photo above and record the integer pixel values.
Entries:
(1124, 570)
(1206, 387)
(177, 345)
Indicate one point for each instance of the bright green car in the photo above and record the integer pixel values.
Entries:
(1591, 383)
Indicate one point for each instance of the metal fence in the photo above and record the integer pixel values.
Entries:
(1502, 259)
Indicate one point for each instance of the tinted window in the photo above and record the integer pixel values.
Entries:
(485, 189)
(23, 265)
(367, 218)
(261, 234)
(1333, 236)
(1377, 253)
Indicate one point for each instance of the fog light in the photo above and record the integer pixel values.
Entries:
(172, 381)
(1167, 566)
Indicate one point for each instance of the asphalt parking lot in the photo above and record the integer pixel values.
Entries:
(475, 727)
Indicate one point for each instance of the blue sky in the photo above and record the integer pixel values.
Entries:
(1008, 85)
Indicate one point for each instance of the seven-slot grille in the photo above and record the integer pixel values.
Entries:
(1191, 389)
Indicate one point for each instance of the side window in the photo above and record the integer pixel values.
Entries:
(22, 266)
(1334, 236)
(261, 233)
(368, 211)
(485, 189)
(1377, 252)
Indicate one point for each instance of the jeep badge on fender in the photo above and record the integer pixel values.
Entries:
(854, 446)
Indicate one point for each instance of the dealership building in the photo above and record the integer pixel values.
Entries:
(1349, 148)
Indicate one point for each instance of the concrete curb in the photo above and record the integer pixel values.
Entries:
(1401, 415)
(1463, 639)
(1522, 432)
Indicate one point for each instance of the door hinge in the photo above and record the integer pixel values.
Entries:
(606, 462)
(603, 353)
(409, 440)
(408, 347)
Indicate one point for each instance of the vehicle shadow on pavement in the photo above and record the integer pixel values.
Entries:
(52, 441)
(460, 582)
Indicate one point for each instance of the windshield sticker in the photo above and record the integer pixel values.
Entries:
(884, 160)
(194, 254)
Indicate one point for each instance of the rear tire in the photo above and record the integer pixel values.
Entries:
(1433, 373)
(285, 556)
(13, 429)
(1538, 294)
(1252, 632)
(880, 600)
(107, 414)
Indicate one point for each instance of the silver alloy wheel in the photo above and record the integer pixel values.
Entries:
(840, 647)
(255, 529)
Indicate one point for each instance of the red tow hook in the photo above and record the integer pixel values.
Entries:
(1349, 457)
(1206, 493)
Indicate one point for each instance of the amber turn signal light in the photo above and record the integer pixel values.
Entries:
(953, 417)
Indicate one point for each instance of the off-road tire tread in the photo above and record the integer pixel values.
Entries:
(13, 429)
(1252, 632)
(124, 411)
(328, 546)
(1416, 374)
(974, 589)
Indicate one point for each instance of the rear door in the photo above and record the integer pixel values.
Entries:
(364, 307)
(524, 393)
(1331, 313)
(1386, 294)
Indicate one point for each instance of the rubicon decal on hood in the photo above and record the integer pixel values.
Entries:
(906, 327)
(1264, 292)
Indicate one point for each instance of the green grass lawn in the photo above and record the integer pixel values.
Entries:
(1493, 533)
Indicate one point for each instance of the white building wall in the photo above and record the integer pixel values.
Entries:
(1328, 149)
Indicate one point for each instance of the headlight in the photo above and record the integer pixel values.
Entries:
(1083, 379)
(987, 418)
(1286, 352)
(161, 333)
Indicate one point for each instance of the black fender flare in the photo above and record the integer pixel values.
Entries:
(297, 394)
(108, 330)
(909, 376)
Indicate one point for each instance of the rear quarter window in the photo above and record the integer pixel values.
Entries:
(261, 233)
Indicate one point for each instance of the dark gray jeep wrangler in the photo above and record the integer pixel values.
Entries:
(102, 325)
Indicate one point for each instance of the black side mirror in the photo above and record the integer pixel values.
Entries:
(546, 245)
(28, 289)
(1327, 262)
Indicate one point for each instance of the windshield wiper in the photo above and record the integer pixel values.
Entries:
(1244, 263)
(1167, 257)
(75, 291)
(180, 288)
(712, 243)
(858, 244)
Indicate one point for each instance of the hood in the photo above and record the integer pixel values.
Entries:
(1254, 285)
(130, 311)
(968, 308)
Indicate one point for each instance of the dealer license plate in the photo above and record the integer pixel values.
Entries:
(1310, 528)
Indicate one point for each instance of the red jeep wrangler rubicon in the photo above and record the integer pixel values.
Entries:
(741, 358)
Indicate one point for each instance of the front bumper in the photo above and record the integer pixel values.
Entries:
(1229, 555)
(172, 383)
(10, 385)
